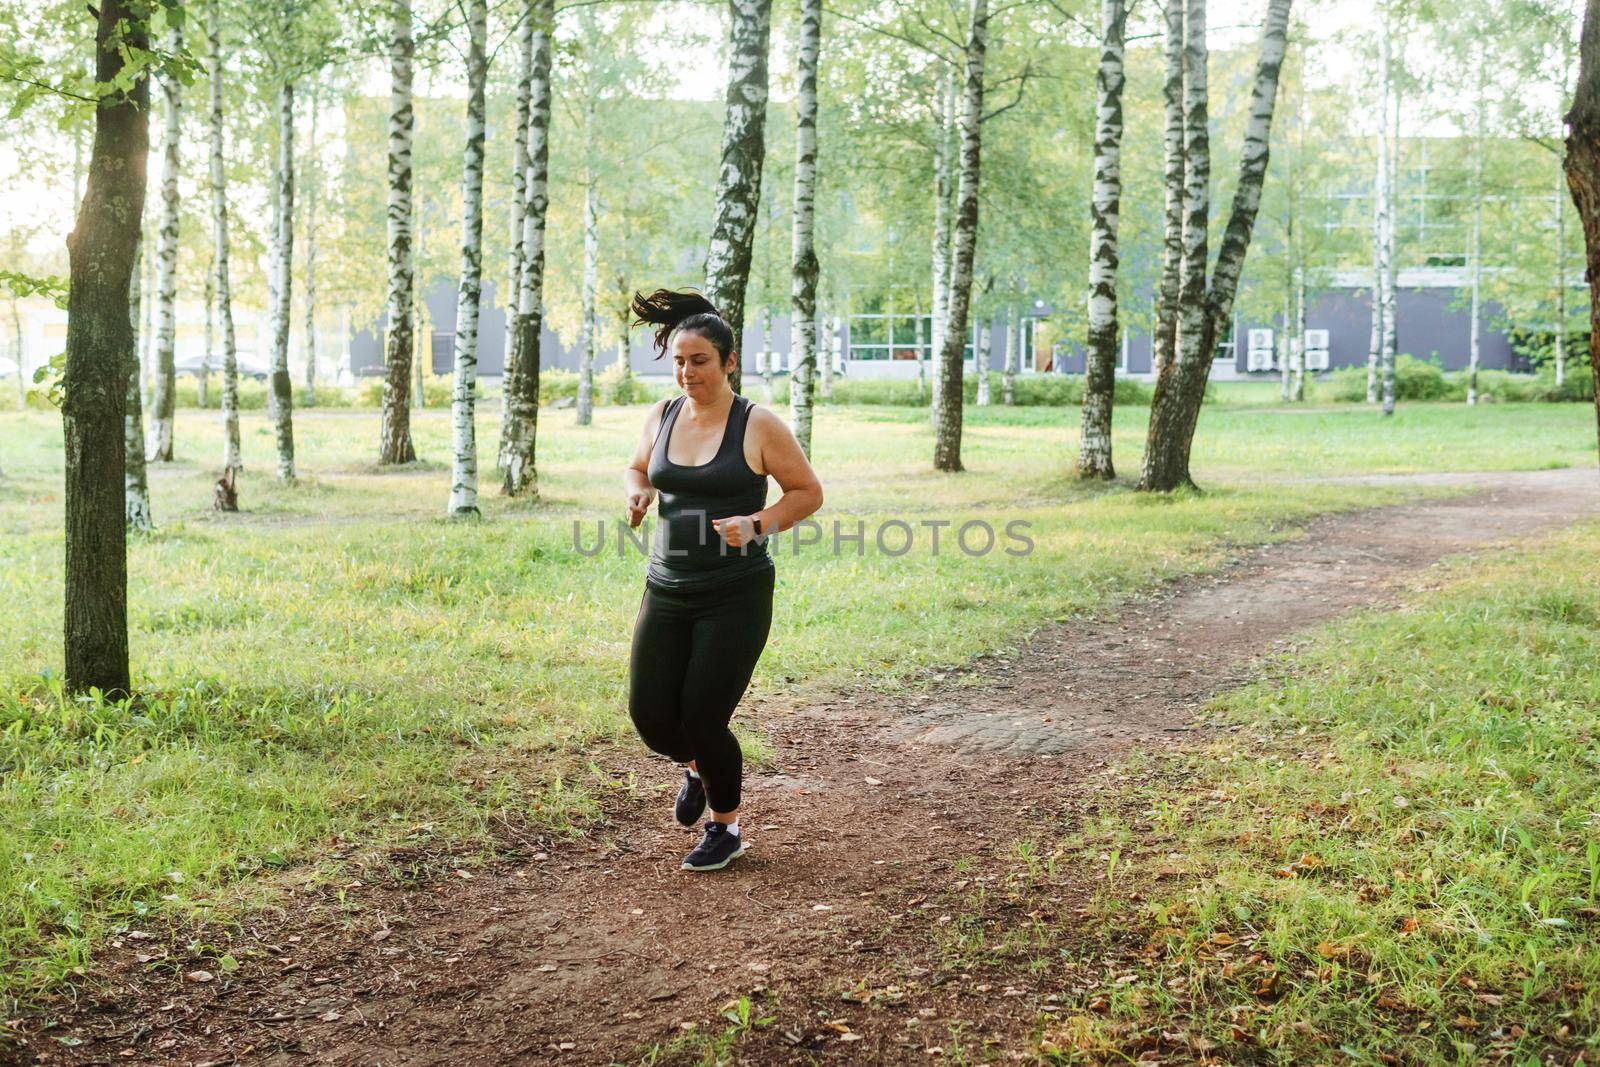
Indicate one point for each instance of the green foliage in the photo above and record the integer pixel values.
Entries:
(1417, 379)
(23, 286)
(1031, 390)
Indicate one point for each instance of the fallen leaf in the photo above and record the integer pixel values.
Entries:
(199, 976)
(1466, 1022)
(331, 1016)
(874, 781)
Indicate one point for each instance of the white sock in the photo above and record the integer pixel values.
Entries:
(692, 772)
(733, 827)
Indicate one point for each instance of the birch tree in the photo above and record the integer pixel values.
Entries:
(1391, 186)
(135, 478)
(1094, 450)
(281, 396)
(219, 242)
(464, 444)
(166, 375)
(1583, 172)
(520, 477)
(1008, 395)
(312, 179)
(1206, 309)
(101, 251)
(947, 439)
(944, 129)
(804, 268)
(1172, 189)
(519, 179)
(202, 383)
(591, 241)
(743, 153)
(1475, 254)
(395, 433)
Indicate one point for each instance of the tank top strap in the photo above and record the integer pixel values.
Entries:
(669, 415)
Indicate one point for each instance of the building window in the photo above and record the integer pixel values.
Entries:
(894, 336)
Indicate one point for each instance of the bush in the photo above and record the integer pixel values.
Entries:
(1414, 379)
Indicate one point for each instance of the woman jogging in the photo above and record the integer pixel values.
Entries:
(707, 602)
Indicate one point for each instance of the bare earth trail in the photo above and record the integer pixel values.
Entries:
(873, 809)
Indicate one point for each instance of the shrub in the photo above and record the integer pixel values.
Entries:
(1414, 379)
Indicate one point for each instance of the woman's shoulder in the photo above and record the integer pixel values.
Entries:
(652, 421)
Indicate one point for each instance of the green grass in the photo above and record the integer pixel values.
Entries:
(338, 663)
(1399, 856)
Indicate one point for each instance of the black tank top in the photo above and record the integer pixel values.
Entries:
(687, 552)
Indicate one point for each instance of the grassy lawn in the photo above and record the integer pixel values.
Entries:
(338, 663)
(1396, 858)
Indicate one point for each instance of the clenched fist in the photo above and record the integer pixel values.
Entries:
(736, 530)
(638, 504)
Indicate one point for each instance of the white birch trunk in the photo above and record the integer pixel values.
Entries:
(947, 437)
(202, 386)
(231, 459)
(135, 484)
(591, 331)
(1474, 351)
(1561, 279)
(919, 337)
(832, 359)
(1165, 339)
(1105, 199)
(980, 362)
(1392, 185)
(1284, 352)
(395, 444)
(463, 399)
(591, 281)
(1298, 394)
(521, 472)
(312, 181)
(743, 153)
(803, 254)
(1008, 395)
(166, 375)
(519, 198)
(945, 124)
(281, 396)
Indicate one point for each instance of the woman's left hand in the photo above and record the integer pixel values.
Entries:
(736, 530)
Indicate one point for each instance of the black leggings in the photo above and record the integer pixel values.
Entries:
(693, 654)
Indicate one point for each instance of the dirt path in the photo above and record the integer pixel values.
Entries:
(871, 811)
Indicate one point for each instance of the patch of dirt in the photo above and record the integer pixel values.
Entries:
(874, 813)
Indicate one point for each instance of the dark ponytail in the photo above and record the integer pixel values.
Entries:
(686, 310)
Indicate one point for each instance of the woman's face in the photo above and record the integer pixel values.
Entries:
(697, 368)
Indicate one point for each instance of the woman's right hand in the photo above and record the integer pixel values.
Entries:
(638, 504)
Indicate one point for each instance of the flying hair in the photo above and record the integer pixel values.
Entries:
(686, 310)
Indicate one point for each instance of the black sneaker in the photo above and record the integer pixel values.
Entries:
(715, 851)
(691, 804)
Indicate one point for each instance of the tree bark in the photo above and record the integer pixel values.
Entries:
(1013, 355)
(522, 440)
(463, 400)
(135, 478)
(100, 363)
(1391, 187)
(1583, 173)
(591, 260)
(980, 361)
(743, 153)
(1166, 335)
(836, 328)
(166, 374)
(1206, 310)
(947, 436)
(1099, 386)
(942, 186)
(804, 267)
(519, 199)
(1473, 343)
(202, 384)
(394, 444)
(219, 243)
(281, 397)
(312, 180)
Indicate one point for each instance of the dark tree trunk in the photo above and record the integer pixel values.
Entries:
(1583, 174)
(744, 149)
(99, 349)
